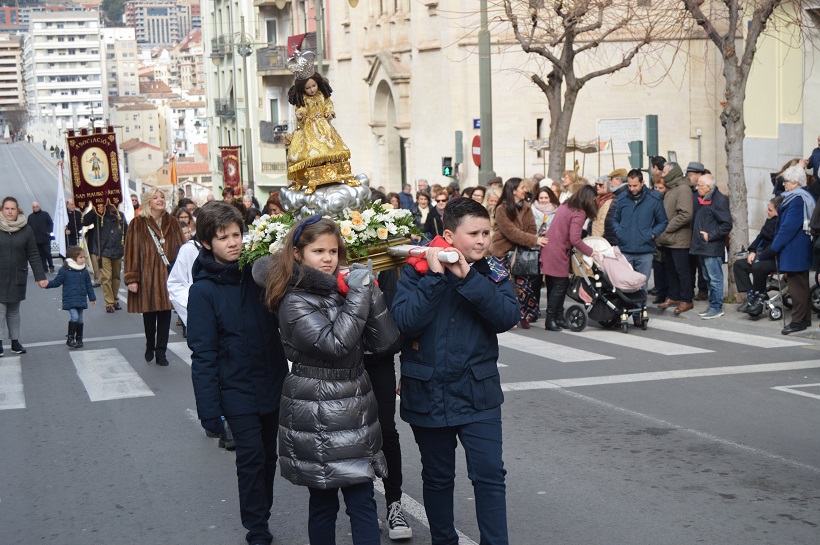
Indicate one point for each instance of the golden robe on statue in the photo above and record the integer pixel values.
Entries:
(315, 141)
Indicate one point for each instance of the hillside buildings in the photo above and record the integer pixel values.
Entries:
(12, 101)
(63, 67)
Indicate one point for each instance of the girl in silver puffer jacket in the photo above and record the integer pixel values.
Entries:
(329, 434)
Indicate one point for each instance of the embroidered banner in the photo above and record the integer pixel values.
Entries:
(95, 171)
(231, 171)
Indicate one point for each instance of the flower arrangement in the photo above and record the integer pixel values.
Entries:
(361, 230)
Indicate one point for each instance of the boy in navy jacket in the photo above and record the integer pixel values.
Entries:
(238, 364)
(450, 315)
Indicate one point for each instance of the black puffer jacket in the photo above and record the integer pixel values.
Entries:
(329, 434)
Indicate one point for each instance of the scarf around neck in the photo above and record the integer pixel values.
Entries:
(73, 265)
(808, 205)
(12, 226)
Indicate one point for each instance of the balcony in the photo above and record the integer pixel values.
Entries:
(280, 4)
(224, 108)
(219, 46)
(272, 59)
(270, 133)
(274, 167)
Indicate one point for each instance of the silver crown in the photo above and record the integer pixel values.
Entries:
(301, 64)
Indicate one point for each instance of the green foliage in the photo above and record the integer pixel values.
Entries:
(113, 10)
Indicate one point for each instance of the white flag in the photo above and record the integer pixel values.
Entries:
(127, 207)
(60, 212)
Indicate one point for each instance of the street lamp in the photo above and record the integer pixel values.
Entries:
(244, 47)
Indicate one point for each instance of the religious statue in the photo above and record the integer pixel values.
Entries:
(317, 155)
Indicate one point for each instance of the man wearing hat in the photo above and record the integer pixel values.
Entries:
(694, 171)
(617, 181)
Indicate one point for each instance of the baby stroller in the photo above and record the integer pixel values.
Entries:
(597, 295)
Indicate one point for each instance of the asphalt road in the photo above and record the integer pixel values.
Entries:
(690, 432)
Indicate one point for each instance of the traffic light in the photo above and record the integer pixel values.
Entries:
(447, 166)
(636, 154)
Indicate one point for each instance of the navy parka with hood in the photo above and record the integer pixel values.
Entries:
(238, 364)
(449, 356)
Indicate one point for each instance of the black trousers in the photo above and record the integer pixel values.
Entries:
(801, 296)
(382, 372)
(678, 274)
(157, 325)
(255, 438)
(759, 271)
(659, 274)
(556, 293)
(45, 255)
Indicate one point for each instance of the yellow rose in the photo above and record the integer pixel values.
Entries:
(357, 221)
(346, 231)
(381, 232)
(355, 215)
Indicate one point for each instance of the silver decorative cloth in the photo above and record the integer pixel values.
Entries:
(328, 200)
(301, 64)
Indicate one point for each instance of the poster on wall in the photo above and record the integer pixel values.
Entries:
(95, 171)
(231, 172)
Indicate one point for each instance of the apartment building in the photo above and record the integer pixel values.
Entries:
(159, 22)
(11, 77)
(64, 70)
(24, 13)
(141, 121)
(246, 85)
(120, 46)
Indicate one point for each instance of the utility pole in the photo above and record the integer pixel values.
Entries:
(318, 9)
(485, 171)
(245, 49)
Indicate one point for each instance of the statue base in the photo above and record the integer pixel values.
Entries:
(328, 199)
(329, 173)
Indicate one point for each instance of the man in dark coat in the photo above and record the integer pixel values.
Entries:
(711, 225)
(639, 219)
(42, 225)
(74, 225)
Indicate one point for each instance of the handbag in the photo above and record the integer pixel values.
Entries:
(524, 261)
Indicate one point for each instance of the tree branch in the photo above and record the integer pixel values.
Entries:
(693, 7)
(627, 60)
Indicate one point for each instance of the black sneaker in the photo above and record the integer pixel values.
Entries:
(1, 349)
(397, 527)
(16, 347)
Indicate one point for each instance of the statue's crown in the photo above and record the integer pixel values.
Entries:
(301, 64)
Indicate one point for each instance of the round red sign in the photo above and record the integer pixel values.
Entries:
(477, 150)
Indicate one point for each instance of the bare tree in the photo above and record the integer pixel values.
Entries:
(569, 34)
(723, 28)
(15, 117)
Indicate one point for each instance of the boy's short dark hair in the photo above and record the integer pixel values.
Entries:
(216, 215)
(458, 209)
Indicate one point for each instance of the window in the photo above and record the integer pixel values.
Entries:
(274, 111)
(271, 29)
(149, 156)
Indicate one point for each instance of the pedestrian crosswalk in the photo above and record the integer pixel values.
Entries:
(107, 374)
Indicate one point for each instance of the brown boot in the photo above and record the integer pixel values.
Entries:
(683, 307)
(669, 303)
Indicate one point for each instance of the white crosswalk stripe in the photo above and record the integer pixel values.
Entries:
(759, 341)
(547, 350)
(106, 375)
(181, 349)
(645, 344)
(11, 384)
